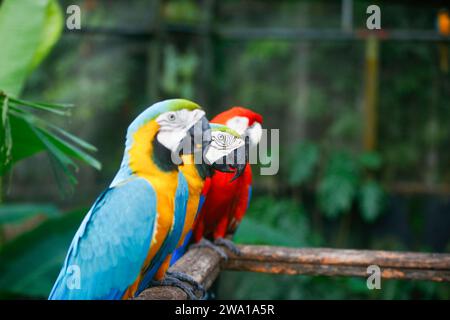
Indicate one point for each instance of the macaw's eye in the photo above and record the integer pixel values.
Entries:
(171, 116)
(223, 141)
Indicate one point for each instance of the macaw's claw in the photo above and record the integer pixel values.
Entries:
(188, 279)
(228, 244)
(174, 282)
(204, 243)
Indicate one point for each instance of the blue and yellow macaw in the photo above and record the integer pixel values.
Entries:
(126, 238)
(224, 141)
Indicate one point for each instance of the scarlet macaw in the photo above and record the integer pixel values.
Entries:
(133, 226)
(226, 199)
(224, 142)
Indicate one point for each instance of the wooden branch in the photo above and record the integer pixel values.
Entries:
(341, 262)
(204, 265)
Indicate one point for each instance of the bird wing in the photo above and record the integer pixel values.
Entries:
(111, 244)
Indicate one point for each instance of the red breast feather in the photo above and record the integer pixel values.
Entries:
(226, 202)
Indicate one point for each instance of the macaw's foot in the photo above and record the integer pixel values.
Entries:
(204, 243)
(188, 279)
(228, 244)
(174, 282)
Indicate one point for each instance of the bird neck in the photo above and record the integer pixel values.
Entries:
(145, 157)
(195, 174)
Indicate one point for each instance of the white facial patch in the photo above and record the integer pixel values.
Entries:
(222, 144)
(255, 134)
(238, 124)
(174, 126)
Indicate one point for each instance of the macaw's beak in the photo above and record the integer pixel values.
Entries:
(239, 171)
(235, 161)
(207, 137)
(223, 166)
(241, 156)
(200, 136)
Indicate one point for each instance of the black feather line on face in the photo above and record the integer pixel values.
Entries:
(162, 157)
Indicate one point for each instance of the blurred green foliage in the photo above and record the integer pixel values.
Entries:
(17, 213)
(340, 178)
(269, 220)
(30, 262)
(304, 159)
(23, 133)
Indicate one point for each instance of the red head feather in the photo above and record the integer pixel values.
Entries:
(252, 116)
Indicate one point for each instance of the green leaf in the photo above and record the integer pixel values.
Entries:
(17, 213)
(5, 135)
(337, 188)
(17, 105)
(30, 263)
(61, 158)
(83, 144)
(303, 162)
(23, 26)
(28, 31)
(71, 150)
(53, 26)
(371, 200)
(24, 142)
(31, 134)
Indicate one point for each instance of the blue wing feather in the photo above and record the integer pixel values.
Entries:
(111, 244)
(169, 245)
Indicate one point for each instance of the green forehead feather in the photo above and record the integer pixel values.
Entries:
(179, 104)
(223, 128)
(158, 108)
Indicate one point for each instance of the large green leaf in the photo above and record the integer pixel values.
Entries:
(30, 134)
(53, 26)
(16, 213)
(28, 29)
(25, 142)
(30, 263)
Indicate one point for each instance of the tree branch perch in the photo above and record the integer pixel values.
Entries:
(204, 265)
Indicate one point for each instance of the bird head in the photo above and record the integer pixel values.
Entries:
(184, 129)
(167, 123)
(228, 151)
(245, 121)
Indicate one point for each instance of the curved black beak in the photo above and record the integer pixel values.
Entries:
(222, 166)
(206, 136)
(240, 168)
(241, 156)
(198, 138)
